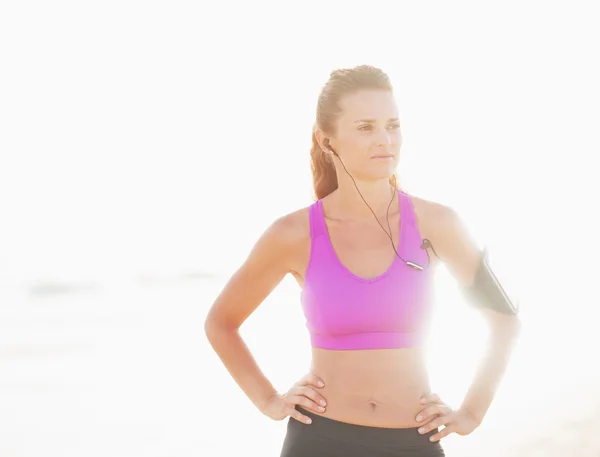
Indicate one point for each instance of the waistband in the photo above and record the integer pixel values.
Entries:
(361, 435)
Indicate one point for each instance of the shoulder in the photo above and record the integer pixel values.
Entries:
(286, 241)
(450, 237)
(287, 233)
(291, 227)
(433, 216)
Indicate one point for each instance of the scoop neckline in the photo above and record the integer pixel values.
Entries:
(346, 269)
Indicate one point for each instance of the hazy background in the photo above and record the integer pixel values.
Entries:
(144, 146)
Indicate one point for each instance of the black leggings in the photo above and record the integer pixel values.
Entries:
(326, 437)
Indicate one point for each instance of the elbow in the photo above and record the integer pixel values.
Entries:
(214, 327)
(514, 324)
(211, 327)
(208, 326)
(507, 329)
(213, 332)
(220, 337)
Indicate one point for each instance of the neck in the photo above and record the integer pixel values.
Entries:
(377, 194)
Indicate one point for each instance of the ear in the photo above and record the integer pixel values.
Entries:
(321, 137)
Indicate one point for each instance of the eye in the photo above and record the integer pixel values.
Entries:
(395, 126)
(365, 127)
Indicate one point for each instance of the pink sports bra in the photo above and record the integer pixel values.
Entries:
(345, 312)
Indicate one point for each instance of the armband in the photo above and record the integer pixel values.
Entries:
(487, 291)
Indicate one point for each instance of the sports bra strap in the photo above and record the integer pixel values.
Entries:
(407, 211)
(317, 219)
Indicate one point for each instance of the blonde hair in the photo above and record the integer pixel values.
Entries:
(342, 82)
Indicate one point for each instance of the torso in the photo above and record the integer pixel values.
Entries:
(375, 387)
(379, 388)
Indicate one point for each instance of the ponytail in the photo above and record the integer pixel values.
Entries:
(323, 170)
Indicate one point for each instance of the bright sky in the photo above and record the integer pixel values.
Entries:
(158, 138)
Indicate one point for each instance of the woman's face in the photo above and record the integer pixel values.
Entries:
(368, 137)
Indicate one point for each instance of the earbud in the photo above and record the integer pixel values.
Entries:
(328, 146)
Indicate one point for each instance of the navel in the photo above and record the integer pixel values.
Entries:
(373, 405)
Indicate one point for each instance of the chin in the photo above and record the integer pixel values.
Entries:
(386, 173)
(383, 168)
(375, 172)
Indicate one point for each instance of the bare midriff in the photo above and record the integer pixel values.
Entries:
(376, 387)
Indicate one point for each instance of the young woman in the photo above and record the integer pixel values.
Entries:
(361, 254)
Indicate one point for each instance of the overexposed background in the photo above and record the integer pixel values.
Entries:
(144, 146)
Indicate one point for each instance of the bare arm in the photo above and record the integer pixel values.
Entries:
(267, 264)
(461, 255)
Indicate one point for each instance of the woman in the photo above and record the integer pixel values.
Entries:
(366, 293)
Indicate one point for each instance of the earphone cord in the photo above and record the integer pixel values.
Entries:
(376, 218)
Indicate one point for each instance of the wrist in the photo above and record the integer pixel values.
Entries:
(477, 419)
(262, 406)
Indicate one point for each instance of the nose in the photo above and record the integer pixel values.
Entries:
(383, 138)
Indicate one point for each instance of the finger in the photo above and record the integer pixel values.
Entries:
(306, 403)
(312, 379)
(431, 411)
(310, 393)
(313, 395)
(431, 398)
(442, 434)
(435, 423)
(297, 415)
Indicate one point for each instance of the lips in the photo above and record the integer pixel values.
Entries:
(383, 156)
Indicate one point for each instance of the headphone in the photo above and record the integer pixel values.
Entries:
(426, 243)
